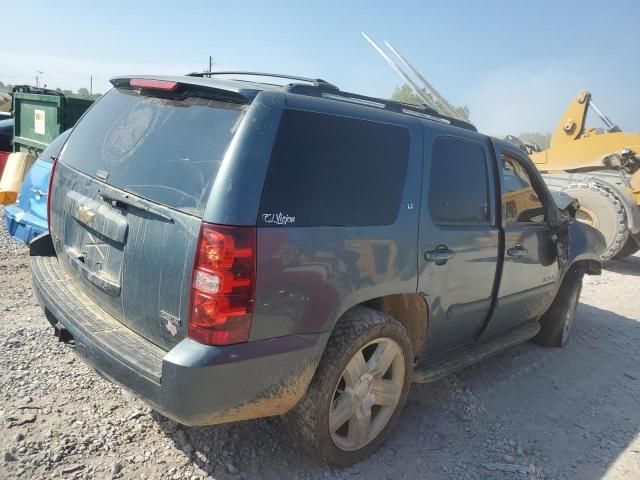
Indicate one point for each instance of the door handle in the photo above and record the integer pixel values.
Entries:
(440, 255)
(517, 251)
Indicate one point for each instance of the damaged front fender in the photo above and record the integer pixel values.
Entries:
(586, 244)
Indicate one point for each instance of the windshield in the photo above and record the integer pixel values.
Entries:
(168, 151)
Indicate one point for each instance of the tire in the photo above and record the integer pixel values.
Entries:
(340, 382)
(605, 212)
(556, 323)
(630, 247)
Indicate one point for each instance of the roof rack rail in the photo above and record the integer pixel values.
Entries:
(316, 82)
(386, 103)
(321, 88)
(423, 110)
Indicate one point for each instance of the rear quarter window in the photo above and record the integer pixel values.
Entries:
(332, 170)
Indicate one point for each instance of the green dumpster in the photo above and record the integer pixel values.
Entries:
(41, 115)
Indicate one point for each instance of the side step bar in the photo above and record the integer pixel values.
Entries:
(437, 368)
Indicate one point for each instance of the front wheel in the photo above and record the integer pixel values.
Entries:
(358, 391)
(556, 323)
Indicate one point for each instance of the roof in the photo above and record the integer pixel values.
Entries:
(301, 85)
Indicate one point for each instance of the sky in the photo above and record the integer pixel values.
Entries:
(516, 64)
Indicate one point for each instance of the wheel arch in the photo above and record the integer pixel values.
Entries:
(587, 265)
(410, 309)
(585, 243)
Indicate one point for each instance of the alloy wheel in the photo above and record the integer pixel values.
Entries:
(367, 394)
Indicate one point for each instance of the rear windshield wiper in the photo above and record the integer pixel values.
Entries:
(126, 199)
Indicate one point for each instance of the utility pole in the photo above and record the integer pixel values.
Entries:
(91, 85)
(210, 64)
(38, 73)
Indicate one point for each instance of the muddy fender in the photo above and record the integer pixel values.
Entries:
(585, 244)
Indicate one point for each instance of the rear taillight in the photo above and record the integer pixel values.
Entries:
(53, 170)
(223, 285)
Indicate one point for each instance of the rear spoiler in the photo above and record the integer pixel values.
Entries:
(176, 87)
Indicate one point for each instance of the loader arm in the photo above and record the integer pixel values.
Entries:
(572, 122)
(574, 148)
(609, 151)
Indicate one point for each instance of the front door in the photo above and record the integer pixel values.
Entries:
(459, 239)
(530, 271)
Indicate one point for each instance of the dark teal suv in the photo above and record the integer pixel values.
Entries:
(230, 249)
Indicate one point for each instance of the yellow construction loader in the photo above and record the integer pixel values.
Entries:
(599, 167)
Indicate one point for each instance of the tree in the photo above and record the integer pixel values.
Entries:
(83, 93)
(405, 94)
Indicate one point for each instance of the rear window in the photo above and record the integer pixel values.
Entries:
(330, 170)
(168, 151)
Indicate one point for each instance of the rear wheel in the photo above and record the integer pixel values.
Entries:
(556, 323)
(600, 209)
(358, 390)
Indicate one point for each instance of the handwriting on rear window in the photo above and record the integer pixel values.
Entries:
(278, 218)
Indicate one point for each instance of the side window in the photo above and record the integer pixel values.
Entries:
(332, 170)
(520, 202)
(458, 183)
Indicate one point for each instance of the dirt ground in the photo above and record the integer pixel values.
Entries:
(529, 413)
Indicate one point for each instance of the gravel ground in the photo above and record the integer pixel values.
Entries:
(529, 413)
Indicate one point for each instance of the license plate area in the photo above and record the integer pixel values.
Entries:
(93, 241)
(90, 268)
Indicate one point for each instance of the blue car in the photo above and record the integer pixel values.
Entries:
(28, 217)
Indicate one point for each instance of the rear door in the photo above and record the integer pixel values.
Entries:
(459, 240)
(128, 196)
(530, 272)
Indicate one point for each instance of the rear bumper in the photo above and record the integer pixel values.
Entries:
(23, 226)
(194, 384)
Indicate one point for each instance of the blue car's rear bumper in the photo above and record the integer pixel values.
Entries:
(23, 226)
